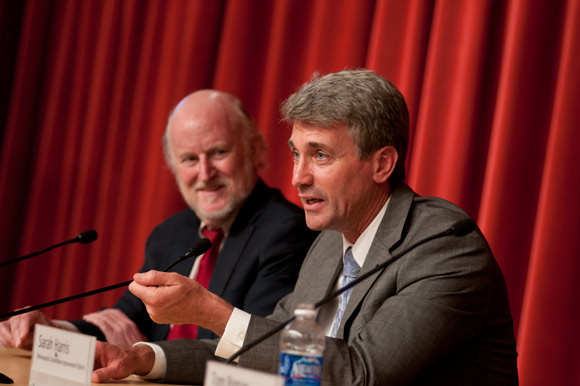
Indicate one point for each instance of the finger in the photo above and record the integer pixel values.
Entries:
(125, 327)
(112, 371)
(115, 315)
(116, 326)
(23, 328)
(6, 334)
(106, 314)
(138, 290)
(112, 334)
(26, 340)
(100, 321)
(97, 376)
(98, 317)
(19, 328)
(102, 375)
(156, 295)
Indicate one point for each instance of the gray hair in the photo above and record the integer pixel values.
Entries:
(371, 107)
(250, 131)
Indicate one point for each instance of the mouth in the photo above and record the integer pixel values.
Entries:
(209, 189)
(210, 193)
(310, 202)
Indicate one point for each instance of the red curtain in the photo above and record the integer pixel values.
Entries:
(493, 89)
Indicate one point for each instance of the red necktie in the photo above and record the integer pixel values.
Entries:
(203, 277)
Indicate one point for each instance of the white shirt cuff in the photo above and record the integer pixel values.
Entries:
(233, 338)
(160, 366)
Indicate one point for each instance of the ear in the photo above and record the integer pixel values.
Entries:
(384, 162)
(257, 151)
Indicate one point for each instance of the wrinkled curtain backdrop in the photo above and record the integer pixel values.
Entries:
(493, 89)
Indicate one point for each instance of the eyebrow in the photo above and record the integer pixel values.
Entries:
(313, 145)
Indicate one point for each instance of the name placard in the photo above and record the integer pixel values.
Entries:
(220, 374)
(61, 358)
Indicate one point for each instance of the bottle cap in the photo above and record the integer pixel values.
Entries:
(305, 309)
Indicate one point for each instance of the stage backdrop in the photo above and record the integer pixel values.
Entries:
(493, 89)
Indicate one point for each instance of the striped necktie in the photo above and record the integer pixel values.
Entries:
(350, 271)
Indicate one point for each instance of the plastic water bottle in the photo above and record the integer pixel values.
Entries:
(301, 348)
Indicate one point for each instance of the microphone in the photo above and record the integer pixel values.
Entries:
(458, 229)
(83, 238)
(461, 228)
(200, 247)
(87, 237)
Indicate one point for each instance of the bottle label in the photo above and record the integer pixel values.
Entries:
(300, 370)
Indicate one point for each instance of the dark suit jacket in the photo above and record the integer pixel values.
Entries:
(257, 265)
(438, 314)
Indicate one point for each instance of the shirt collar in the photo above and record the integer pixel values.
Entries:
(361, 247)
(226, 227)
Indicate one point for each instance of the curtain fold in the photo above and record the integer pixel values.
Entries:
(520, 131)
(550, 317)
(492, 88)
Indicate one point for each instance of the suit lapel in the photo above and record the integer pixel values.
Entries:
(323, 277)
(389, 234)
(190, 237)
(227, 259)
(318, 273)
(239, 235)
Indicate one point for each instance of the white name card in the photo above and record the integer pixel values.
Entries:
(61, 358)
(220, 374)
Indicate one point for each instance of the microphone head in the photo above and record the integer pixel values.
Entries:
(201, 246)
(463, 227)
(87, 237)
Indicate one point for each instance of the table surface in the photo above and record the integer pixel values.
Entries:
(15, 363)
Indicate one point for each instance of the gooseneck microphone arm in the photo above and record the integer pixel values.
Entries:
(460, 228)
(197, 249)
(200, 247)
(83, 238)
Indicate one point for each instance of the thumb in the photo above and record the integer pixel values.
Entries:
(112, 371)
(99, 375)
(152, 278)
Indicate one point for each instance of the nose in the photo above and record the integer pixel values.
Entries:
(206, 169)
(301, 174)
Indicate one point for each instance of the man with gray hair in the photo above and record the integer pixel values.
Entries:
(436, 313)
(214, 150)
